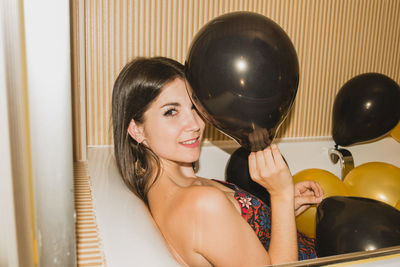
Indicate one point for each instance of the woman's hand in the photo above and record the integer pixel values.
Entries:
(268, 168)
(306, 193)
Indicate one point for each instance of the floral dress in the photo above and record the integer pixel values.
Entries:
(258, 216)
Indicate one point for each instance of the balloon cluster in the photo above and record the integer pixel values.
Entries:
(358, 214)
(374, 184)
(243, 73)
(367, 107)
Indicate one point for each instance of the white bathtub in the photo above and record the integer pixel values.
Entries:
(130, 237)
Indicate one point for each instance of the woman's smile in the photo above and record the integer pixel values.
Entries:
(191, 143)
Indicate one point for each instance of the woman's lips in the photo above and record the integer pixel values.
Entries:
(192, 143)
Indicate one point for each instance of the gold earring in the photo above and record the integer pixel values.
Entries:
(139, 170)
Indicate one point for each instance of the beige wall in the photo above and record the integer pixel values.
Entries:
(335, 41)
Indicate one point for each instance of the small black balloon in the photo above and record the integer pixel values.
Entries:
(365, 108)
(243, 72)
(351, 224)
(237, 172)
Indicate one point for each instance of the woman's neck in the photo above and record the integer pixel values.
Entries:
(180, 173)
(173, 177)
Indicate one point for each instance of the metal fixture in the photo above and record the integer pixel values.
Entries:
(345, 159)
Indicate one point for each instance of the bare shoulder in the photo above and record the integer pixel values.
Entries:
(192, 211)
(196, 206)
(201, 199)
(207, 223)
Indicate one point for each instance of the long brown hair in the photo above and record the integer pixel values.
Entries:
(136, 87)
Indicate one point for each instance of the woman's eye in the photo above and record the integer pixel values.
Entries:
(170, 112)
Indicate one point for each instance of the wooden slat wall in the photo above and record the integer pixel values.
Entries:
(89, 247)
(335, 40)
(78, 78)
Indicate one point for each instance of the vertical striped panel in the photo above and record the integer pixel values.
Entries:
(335, 40)
(89, 248)
(78, 76)
(23, 245)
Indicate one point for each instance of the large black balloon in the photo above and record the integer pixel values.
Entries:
(365, 108)
(237, 172)
(244, 74)
(351, 224)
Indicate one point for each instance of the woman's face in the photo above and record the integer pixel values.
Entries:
(172, 128)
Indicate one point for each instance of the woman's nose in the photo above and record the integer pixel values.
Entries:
(194, 122)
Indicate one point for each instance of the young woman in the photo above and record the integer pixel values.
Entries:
(157, 135)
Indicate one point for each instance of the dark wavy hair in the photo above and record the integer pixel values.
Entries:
(136, 87)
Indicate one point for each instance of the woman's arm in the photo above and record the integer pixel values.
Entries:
(268, 168)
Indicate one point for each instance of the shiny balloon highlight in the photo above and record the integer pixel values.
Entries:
(375, 180)
(243, 73)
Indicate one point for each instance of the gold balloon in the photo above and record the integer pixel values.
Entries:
(395, 133)
(332, 185)
(376, 180)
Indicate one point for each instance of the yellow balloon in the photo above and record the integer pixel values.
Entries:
(307, 222)
(398, 205)
(332, 185)
(376, 180)
(395, 133)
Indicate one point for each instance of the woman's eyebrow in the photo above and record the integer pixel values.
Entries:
(175, 104)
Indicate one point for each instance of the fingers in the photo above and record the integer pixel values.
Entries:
(279, 161)
(316, 188)
(259, 166)
(268, 159)
(302, 203)
(261, 163)
(303, 187)
(320, 190)
(307, 200)
(309, 188)
(308, 193)
(268, 169)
